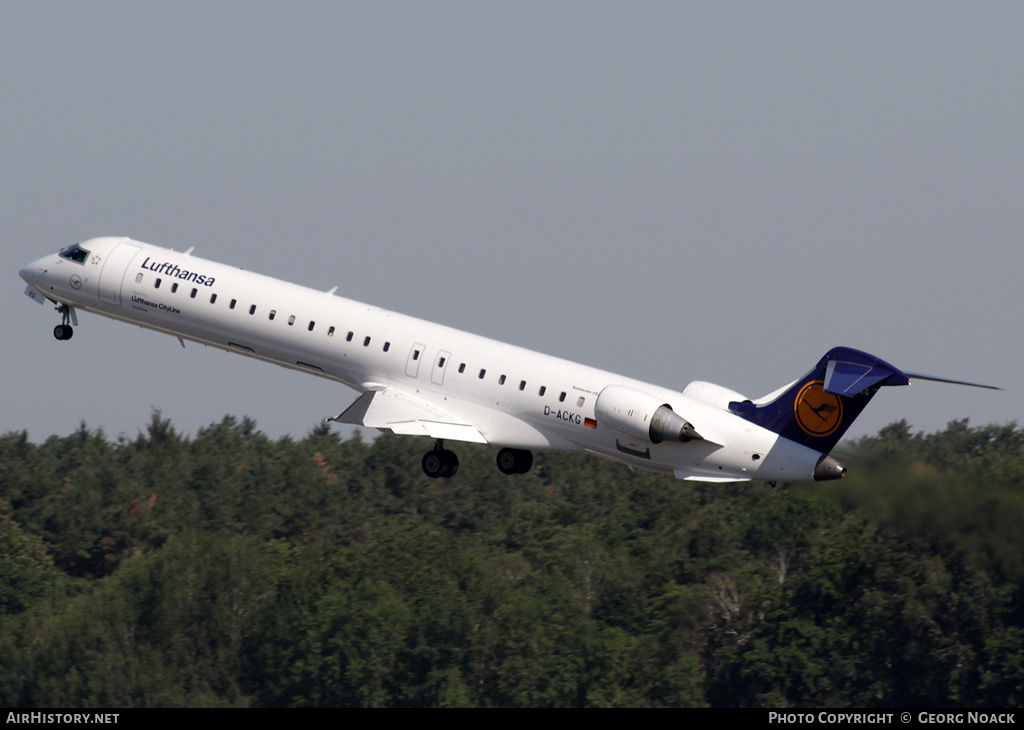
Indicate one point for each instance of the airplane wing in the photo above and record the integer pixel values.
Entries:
(397, 411)
(444, 417)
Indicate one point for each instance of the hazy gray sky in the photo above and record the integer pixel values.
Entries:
(670, 190)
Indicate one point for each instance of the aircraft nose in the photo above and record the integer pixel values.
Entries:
(33, 272)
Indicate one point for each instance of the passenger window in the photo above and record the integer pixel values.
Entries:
(311, 325)
(543, 390)
(482, 374)
(561, 398)
(291, 320)
(349, 337)
(415, 354)
(387, 346)
(273, 313)
(213, 298)
(522, 385)
(330, 331)
(501, 380)
(174, 287)
(462, 368)
(233, 303)
(252, 309)
(138, 278)
(156, 284)
(366, 342)
(440, 362)
(193, 294)
(579, 402)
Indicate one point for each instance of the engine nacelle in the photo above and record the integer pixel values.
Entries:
(713, 395)
(641, 416)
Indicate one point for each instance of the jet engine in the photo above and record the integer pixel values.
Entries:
(641, 416)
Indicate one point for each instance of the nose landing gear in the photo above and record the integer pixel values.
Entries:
(63, 331)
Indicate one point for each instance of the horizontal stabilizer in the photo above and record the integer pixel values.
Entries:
(921, 376)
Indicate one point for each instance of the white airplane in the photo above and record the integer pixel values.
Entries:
(416, 377)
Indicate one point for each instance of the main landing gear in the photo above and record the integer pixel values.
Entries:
(514, 461)
(440, 462)
(63, 331)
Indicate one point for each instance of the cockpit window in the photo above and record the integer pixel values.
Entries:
(75, 253)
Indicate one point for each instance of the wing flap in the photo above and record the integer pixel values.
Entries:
(694, 477)
(401, 413)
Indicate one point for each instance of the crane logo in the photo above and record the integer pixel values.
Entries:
(818, 413)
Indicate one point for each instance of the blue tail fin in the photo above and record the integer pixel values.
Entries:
(818, 409)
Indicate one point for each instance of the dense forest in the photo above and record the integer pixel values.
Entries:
(229, 569)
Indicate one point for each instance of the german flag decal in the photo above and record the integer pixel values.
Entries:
(818, 413)
(590, 423)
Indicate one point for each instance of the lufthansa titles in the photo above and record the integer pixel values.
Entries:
(169, 269)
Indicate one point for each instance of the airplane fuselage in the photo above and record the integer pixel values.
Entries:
(419, 377)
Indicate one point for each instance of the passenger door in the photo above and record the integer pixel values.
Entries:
(114, 268)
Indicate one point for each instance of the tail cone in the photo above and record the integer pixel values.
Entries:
(828, 468)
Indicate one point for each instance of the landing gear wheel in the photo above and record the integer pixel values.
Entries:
(451, 463)
(514, 461)
(440, 463)
(432, 464)
(63, 332)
